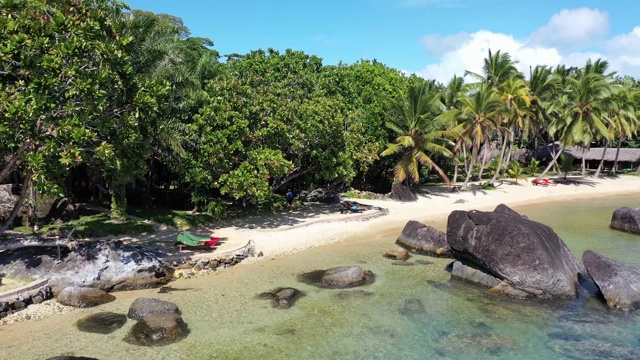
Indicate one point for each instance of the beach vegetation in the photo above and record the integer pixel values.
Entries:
(110, 105)
(98, 225)
(516, 171)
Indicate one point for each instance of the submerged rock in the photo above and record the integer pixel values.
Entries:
(102, 322)
(145, 306)
(527, 255)
(81, 297)
(626, 219)
(423, 239)
(158, 329)
(594, 350)
(65, 357)
(283, 298)
(619, 283)
(111, 266)
(350, 295)
(412, 307)
(484, 342)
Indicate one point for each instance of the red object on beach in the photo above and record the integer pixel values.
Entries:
(212, 242)
(549, 182)
(539, 182)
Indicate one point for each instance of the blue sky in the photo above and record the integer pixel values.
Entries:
(433, 38)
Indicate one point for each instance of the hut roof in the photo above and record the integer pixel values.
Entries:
(626, 154)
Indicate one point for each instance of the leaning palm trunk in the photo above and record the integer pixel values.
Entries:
(455, 171)
(504, 146)
(615, 162)
(467, 167)
(553, 161)
(474, 155)
(484, 159)
(604, 152)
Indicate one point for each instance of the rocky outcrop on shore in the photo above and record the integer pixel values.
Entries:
(626, 219)
(527, 255)
(423, 239)
(111, 266)
(403, 193)
(618, 283)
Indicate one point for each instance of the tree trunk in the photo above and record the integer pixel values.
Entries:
(604, 152)
(467, 169)
(553, 161)
(16, 209)
(504, 146)
(32, 217)
(584, 161)
(615, 162)
(13, 163)
(484, 159)
(474, 155)
(118, 198)
(455, 172)
(147, 188)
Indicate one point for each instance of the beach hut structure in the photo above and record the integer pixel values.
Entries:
(627, 158)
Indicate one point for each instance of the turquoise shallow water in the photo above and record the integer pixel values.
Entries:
(411, 311)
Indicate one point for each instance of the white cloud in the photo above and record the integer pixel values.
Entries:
(573, 28)
(470, 53)
(570, 37)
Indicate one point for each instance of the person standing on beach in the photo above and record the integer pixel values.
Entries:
(290, 199)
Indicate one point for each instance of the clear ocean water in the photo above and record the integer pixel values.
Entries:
(411, 311)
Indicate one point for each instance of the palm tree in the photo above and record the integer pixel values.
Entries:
(477, 120)
(497, 69)
(419, 134)
(516, 102)
(625, 120)
(584, 117)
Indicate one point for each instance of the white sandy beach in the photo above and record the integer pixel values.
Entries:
(301, 231)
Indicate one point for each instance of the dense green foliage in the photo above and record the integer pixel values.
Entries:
(129, 101)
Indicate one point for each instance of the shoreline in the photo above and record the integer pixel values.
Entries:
(283, 241)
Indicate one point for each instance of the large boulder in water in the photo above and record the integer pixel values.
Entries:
(111, 266)
(101, 323)
(626, 219)
(402, 193)
(345, 277)
(158, 329)
(619, 283)
(526, 254)
(144, 306)
(82, 297)
(423, 239)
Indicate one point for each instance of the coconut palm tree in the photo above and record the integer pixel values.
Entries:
(419, 133)
(477, 120)
(583, 115)
(625, 120)
(514, 94)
